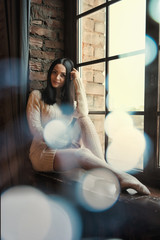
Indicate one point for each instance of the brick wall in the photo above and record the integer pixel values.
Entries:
(46, 39)
(93, 39)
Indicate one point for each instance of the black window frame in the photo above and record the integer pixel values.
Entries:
(151, 173)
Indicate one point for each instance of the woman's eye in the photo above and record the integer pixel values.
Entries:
(63, 75)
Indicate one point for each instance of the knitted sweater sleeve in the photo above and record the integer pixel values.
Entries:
(82, 105)
(34, 115)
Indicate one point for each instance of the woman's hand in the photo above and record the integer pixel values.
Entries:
(76, 79)
(74, 74)
(82, 106)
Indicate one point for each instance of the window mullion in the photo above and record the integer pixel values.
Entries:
(151, 96)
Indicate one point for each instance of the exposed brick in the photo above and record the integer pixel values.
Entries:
(87, 5)
(89, 2)
(99, 67)
(98, 120)
(90, 102)
(35, 42)
(46, 65)
(59, 54)
(93, 35)
(97, 117)
(87, 58)
(99, 103)
(42, 54)
(87, 37)
(87, 75)
(43, 32)
(94, 38)
(88, 68)
(88, 50)
(52, 23)
(98, 2)
(95, 89)
(99, 77)
(99, 52)
(39, 76)
(41, 12)
(37, 22)
(55, 3)
(99, 16)
(100, 27)
(36, 1)
(98, 39)
(35, 66)
(54, 44)
(88, 24)
(34, 84)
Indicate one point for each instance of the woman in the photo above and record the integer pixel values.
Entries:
(42, 108)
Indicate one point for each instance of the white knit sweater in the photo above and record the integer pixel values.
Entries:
(39, 114)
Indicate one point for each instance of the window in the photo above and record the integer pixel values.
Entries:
(112, 54)
(91, 20)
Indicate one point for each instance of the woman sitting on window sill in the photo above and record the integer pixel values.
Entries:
(63, 155)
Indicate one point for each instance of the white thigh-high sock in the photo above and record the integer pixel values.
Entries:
(90, 137)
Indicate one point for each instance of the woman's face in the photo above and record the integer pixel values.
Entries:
(58, 76)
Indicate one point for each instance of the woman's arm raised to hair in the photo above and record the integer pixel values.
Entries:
(90, 137)
(82, 105)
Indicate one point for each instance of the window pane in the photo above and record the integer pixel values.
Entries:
(85, 5)
(98, 121)
(126, 26)
(126, 83)
(139, 124)
(94, 81)
(92, 36)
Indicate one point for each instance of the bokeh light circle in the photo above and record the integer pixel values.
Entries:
(98, 190)
(151, 50)
(148, 153)
(107, 82)
(56, 134)
(66, 222)
(115, 121)
(110, 103)
(25, 214)
(154, 10)
(126, 149)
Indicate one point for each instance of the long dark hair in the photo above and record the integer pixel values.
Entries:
(67, 94)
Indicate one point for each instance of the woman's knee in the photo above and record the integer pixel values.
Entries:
(83, 153)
